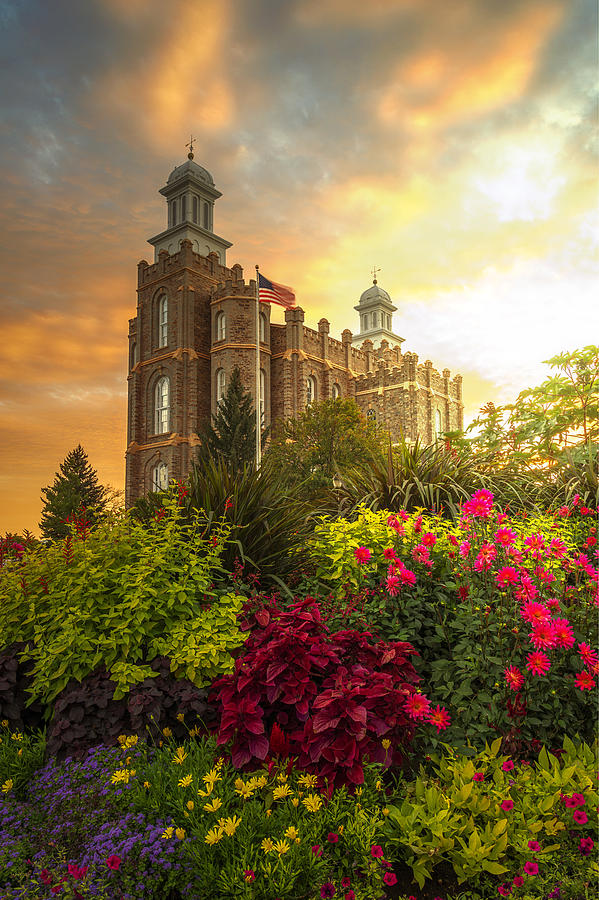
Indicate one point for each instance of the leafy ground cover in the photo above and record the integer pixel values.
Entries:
(413, 713)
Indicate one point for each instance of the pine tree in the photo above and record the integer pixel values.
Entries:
(75, 488)
(231, 436)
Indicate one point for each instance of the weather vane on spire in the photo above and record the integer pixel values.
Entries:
(190, 145)
(374, 271)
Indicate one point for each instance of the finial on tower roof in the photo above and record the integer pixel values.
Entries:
(190, 145)
(374, 271)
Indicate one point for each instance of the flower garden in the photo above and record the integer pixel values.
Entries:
(409, 713)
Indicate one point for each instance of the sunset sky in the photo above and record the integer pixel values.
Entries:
(448, 142)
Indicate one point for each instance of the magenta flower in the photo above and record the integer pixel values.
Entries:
(327, 890)
(518, 881)
(417, 706)
(249, 875)
(316, 850)
(586, 845)
(563, 633)
(504, 890)
(508, 765)
(376, 851)
(439, 717)
(585, 681)
(538, 663)
(362, 554)
(507, 805)
(113, 862)
(478, 776)
(332, 837)
(534, 846)
(580, 817)
(578, 799)
(514, 678)
(389, 878)
(531, 868)
(345, 882)
(350, 896)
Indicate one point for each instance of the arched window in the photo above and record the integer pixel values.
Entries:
(311, 389)
(220, 385)
(263, 323)
(221, 326)
(161, 406)
(173, 213)
(132, 354)
(160, 477)
(195, 209)
(162, 322)
(262, 395)
(206, 216)
(371, 415)
(336, 392)
(438, 423)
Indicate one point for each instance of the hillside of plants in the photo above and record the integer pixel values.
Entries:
(359, 671)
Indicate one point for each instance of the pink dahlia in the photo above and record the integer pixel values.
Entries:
(480, 504)
(514, 678)
(417, 706)
(439, 717)
(563, 633)
(538, 663)
(362, 554)
(506, 577)
(543, 636)
(585, 681)
(505, 536)
(534, 612)
(531, 868)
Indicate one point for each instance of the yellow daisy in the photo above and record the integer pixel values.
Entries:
(231, 825)
(180, 833)
(267, 845)
(281, 847)
(190, 804)
(179, 757)
(7, 786)
(308, 781)
(185, 781)
(282, 791)
(214, 805)
(292, 833)
(214, 836)
(168, 832)
(312, 802)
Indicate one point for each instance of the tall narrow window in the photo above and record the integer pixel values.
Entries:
(262, 395)
(263, 328)
(183, 208)
(174, 212)
(162, 322)
(438, 423)
(220, 385)
(162, 397)
(160, 477)
(311, 389)
(371, 415)
(195, 210)
(206, 216)
(221, 326)
(336, 391)
(132, 355)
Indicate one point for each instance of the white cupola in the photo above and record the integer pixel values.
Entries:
(376, 317)
(190, 194)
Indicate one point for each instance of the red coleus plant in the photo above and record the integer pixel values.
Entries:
(326, 699)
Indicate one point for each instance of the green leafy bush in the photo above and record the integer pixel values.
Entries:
(487, 815)
(446, 589)
(20, 755)
(118, 596)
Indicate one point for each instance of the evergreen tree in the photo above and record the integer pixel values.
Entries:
(75, 487)
(231, 436)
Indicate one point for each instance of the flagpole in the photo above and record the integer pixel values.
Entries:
(257, 392)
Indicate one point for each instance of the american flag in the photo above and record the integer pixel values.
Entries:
(271, 292)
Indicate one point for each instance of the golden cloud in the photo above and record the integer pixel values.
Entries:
(179, 83)
(476, 71)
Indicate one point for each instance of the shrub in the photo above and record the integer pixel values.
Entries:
(488, 814)
(118, 596)
(470, 625)
(336, 696)
(86, 715)
(20, 755)
(15, 677)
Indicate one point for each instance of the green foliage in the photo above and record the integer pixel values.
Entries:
(325, 439)
(466, 629)
(237, 813)
(269, 522)
(20, 755)
(231, 436)
(118, 596)
(549, 436)
(75, 489)
(480, 813)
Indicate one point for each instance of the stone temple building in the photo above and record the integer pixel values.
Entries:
(196, 321)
